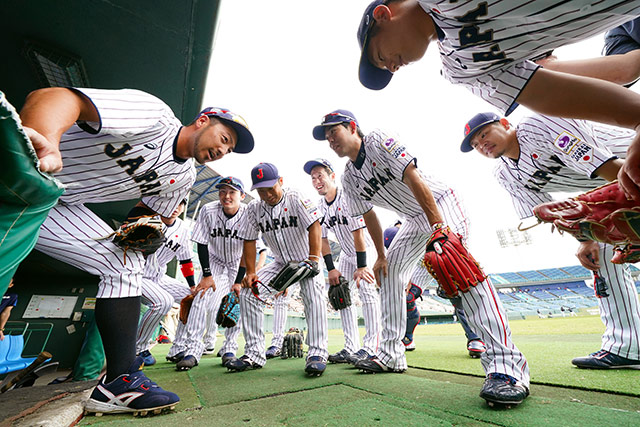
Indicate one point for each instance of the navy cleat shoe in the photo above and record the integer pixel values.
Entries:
(315, 366)
(476, 348)
(373, 365)
(602, 359)
(176, 357)
(187, 363)
(503, 390)
(210, 350)
(226, 358)
(272, 352)
(241, 364)
(147, 358)
(130, 392)
(340, 357)
(360, 354)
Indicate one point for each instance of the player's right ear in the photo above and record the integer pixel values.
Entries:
(504, 122)
(382, 13)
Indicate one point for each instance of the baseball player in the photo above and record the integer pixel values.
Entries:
(349, 231)
(289, 226)
(160, 291)
(108, 145)
(219, 250)
(381, 172)
(421, 276)
(489, 47)
(548, 154)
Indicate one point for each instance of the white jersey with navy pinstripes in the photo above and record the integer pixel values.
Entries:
(177, 243)
(335, 217)
(221, 234)
(283, 227)
(129, 154)
(558, 155)
(488, 46)
(375, 178)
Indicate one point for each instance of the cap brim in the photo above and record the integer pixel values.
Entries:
(318, 132)
(308, 167)
(265, 184)
(465, 147)
(218, 186)
(372, 77)
(245, 141)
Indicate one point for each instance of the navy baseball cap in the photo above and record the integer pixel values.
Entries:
(389, 234)
(474, 125)
(264, 175)
(308, 167)
(370, 76)
(245, 141)
(333, 118)
(231, 182)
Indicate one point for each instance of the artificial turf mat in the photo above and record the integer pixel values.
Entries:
(280, 393)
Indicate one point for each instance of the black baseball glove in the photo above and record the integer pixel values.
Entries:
(294, 272)
(339, 295)
(293, 344)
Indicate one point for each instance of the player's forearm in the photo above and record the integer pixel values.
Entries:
(358, 240)
(4, 316)
(249, 256)
(51, 111)
(375, 231)
(423, 194)
(262, 258)
(315, 240)
(619, 69)
(609, 170)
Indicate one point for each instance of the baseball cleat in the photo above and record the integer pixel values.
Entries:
(147, 358)
(186, 363)
(503, 390)
(226, 358)
(130, 392)
(272, 352)
(176, 357)
(602, 359)
(476, 348)
(241, 364)
(340, 357)
(210, 350)
(373, 365)
(360, 354)
(409, 344)
(315, 366)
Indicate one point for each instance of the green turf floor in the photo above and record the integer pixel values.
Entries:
(426, 395)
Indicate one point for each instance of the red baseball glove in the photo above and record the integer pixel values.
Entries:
(603, 214)
(450, 263)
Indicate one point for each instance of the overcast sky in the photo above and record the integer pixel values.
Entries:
(282, 65)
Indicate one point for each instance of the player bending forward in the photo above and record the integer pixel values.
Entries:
(550, 154)
(290, 228)
(381, 172)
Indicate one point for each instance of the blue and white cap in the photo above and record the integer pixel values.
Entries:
(264, 175)
(245, 141)
(308, 167)
(476, 123)
(333, 118)
(370, 76)
(232, 182)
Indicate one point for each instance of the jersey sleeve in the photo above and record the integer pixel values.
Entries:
(306, 208)
(354, 201)
(356, 223)
(573, 141)
(391, 151)
(523, 198)
(202, 228)
(124, 112)
(248, 226)
(165, 203)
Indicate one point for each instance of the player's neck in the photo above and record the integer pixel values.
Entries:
(331, 195)
(230, 212)
(513, 150)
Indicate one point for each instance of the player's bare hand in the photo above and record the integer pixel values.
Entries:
(629, 173)
(380, 267)
(249, 280)
(334, 277)
(236, 288)
(47, 151)
(282, 293)
(547, 61)
(205, 283)
(1, 336)
(363, 273)
(589, 255)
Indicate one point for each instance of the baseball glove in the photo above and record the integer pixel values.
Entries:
(339, 295)
(229, 311)
(603, 214)
(292, 345)
(294, 272)
(185, 308)
(144, 235)
(450, 263)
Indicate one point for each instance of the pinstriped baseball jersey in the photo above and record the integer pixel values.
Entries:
(376, 178)
(128, 155)
(221, 233)
(487, 46)
(283, 227)
(335, 217)
(177, 244)
(558, 155)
